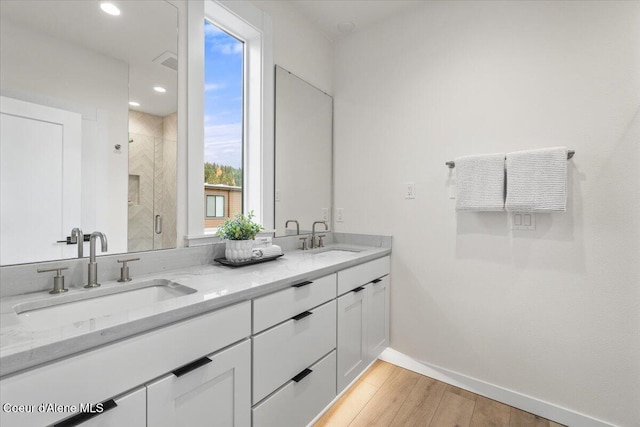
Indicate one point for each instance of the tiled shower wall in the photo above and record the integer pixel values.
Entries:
(152, 180)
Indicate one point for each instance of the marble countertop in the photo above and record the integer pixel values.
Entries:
(25, 344)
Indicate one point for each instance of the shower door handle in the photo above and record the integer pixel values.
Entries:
(158, 224)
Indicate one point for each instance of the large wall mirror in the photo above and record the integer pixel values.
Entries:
(89, 129)
(303, 157)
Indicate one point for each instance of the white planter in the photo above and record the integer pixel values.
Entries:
(238, 250)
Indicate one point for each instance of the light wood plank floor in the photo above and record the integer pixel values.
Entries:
(387, 395)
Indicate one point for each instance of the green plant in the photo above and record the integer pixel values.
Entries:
(241, 227)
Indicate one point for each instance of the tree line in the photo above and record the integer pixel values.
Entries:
(222, 174)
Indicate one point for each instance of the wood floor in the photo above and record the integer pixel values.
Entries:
(387, 395)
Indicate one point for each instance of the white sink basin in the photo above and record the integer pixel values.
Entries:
(94, 303)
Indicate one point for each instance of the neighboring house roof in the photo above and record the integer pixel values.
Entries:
(222, 187)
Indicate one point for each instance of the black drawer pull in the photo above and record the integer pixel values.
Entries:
(301, 375)
(85, 416)
(191, 366)
(302, 315)
(376, 281)
(358, 289)
(301, 284)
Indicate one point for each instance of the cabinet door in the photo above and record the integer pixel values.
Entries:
(128, 410)
(352, 336)
(377, 317)
(211, 391)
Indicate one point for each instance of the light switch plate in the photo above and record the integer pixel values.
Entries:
(340, 215)
(523, 221)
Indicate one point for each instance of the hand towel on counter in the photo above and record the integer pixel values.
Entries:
(270, 251)
(480, 182)
(537, 180)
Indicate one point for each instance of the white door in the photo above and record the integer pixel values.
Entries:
(216, 391)
(377, 317)
(352, 336)
(40, 154)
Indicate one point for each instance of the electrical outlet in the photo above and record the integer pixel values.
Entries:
(277, 195)
(325, 214)
(340, 215)
(409, 190)
(523, 221)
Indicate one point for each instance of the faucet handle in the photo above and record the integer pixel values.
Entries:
(320, 242)
(304, 243)
(58, 279)
(124, 271)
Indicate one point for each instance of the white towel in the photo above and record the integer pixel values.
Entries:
(537, 180)
(480, 182)
(273, 250)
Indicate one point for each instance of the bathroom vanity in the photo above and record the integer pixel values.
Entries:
(265, 345)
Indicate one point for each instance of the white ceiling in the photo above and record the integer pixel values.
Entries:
(327, 14)
(143, 31)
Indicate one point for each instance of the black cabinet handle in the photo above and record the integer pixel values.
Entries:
(358, 289)
(302, 315)
(85, 416)
(191, 366)
(301, 375)
(301, 284)
(376, 281)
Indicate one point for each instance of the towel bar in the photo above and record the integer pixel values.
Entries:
(452, 164)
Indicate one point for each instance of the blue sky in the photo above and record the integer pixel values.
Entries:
(222, 97)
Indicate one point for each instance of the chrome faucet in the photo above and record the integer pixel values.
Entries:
(93, 265)
(313, 232)
(78, 237)
(286, 224)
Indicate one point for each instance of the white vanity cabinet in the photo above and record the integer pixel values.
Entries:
(294, 354)
(111, 370)
(363, 318)
(275, 361)
(214, 390)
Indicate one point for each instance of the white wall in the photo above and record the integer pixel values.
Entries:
(44, 70)
(299, 46)
(552, 313)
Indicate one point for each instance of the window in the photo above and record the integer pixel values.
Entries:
(215, 206)
(223, 113)
(251, 28)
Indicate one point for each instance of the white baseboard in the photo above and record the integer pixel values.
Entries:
(509, 397)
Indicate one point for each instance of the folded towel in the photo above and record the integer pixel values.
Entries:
(537, 180)
(273, 250)
(480, 182)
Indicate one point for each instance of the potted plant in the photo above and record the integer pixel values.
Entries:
(239, 234)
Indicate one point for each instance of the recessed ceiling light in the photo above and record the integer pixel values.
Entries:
(159, 89)
(134, 103)
(110, 8)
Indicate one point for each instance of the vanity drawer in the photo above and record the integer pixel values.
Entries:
(362, 274)
(282, 352)
(297, 403)
(282, 305)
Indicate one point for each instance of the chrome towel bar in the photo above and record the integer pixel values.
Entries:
(452, 164)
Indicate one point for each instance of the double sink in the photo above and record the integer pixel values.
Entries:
(83, 305)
